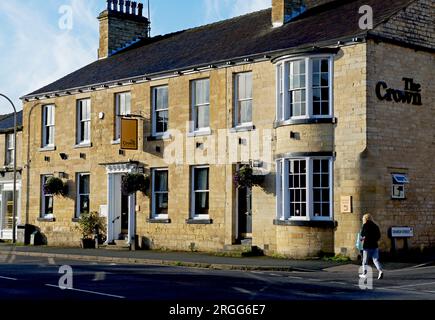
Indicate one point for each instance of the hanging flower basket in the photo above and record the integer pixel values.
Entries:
(134, 182)
(56, 187)
(245, 178)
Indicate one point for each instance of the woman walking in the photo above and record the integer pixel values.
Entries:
(370, 235)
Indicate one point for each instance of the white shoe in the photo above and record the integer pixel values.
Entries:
(381, 275)
(363, 276)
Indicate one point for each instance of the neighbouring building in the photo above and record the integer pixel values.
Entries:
(7, 173)
(336, 120)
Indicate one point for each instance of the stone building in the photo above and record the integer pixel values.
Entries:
(334, 119)
(7, 173)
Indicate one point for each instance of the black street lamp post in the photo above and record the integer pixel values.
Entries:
(14, 222)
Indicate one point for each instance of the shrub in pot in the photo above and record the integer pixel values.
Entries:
(245, 178)
(90, 223)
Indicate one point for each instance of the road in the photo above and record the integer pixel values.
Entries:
(33, 278)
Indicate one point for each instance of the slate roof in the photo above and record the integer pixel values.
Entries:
(7, 122)
(251, 35)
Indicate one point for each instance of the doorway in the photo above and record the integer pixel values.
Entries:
(124, 216)
(244, 214)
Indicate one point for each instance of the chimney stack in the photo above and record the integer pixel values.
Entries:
(121, 24)
(285, 10)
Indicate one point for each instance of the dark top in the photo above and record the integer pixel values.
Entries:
(372, 235)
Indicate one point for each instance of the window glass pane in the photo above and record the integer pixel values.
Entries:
(84, 204)
(161, 180)
(161, 96)
(162, 203)
(202, 120)
(201, 179)
(297, 188)
(246, 111)
(84, 184)
(202, 91)
(162, 121)
(201, 203)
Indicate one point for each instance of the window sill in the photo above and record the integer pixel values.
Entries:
(83, 145)
(160, 137)
(75, 220)
(46, 149)
(283, 123)
(46, 219)
(309, 223)
(114, 142)
(200, 133)
(242, 128)
(157, 220)
(199, 221)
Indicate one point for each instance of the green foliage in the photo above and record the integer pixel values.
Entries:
(56, 187)
(88, 222)
(245, 178)
(337, 258)
(134, 182)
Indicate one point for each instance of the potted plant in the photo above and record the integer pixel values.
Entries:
(90, 225)
(134, 182)
(56, 187)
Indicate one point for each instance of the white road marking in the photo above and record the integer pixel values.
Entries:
(291, 277)
(244, 291)
(7, 278)
(411, 285)
(87, 291)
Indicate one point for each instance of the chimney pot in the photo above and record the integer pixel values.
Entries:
(133, 7)
(127, 7)
(115, 5)
(121, 6)
(140, 10)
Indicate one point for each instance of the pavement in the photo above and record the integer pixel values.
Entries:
(192, 259)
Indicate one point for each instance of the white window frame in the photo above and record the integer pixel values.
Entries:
(283, 194)
(119, 113)
(283, 112)
(46, 125)
(194, 108)
(43, 214)
(155, 111)
(79, 195)
(83, 122)
(154, 214)
(237, 122)
(10, 146)
(193, 192)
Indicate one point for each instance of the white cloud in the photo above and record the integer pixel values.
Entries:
(215, 8)
(38, 51)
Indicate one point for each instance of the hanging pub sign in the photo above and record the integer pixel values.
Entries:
(410, 94)
(129, 134)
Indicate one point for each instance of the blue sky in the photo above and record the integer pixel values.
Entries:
(35, 50)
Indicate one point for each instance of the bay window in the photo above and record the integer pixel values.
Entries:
(304, 188)
(304, 88)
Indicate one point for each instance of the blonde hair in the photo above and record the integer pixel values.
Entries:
(367, 217)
